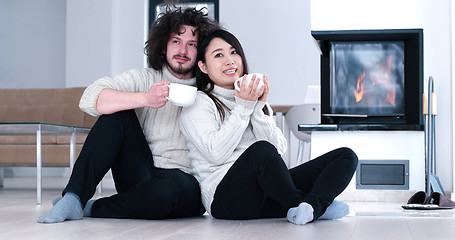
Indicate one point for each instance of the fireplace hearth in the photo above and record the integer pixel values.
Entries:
(372, 79)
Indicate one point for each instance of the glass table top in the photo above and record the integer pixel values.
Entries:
(16, 128)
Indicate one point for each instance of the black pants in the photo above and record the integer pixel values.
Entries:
(117, 142)
(259, 185)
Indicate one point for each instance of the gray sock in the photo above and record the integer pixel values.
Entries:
(88, 208)
(336, 209)
(55, 201)
(67, 208)
(300, 215)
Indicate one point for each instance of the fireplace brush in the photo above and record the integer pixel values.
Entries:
(430, 111)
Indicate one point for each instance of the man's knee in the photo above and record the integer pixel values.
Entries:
(117, 115)
(173, 184)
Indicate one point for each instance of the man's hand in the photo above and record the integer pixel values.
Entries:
(156, 96)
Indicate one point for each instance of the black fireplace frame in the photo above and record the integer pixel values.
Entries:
(413, 54)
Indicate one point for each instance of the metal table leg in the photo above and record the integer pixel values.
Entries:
(38, 166)
(72, 150)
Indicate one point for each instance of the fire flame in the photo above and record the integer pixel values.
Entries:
(360, 87)
(383, 77)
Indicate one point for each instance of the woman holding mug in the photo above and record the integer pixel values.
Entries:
(235, 147)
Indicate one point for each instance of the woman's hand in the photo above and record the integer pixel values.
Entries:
(249, 92)
(266, 87)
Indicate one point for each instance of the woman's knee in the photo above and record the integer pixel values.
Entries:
(262, 146)
(348, 156)
(263, 152)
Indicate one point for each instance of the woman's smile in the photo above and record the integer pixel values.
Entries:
(230, 71)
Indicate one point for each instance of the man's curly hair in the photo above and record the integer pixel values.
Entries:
(170, 22)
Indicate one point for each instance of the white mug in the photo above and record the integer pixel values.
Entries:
(239, 81)
(181, 94)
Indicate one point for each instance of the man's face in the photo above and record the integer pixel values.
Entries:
(181, 52)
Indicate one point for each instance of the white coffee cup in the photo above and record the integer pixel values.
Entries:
(181, 94)
(248, 78)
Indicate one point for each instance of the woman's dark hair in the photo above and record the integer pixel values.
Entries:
(170, 22)
(203, 81)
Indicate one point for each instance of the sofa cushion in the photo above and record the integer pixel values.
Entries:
(25, 155)
(56, 106)
(27, 140)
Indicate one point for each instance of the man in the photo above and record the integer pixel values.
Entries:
(143, 147)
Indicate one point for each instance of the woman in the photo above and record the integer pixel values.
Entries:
(235, 147)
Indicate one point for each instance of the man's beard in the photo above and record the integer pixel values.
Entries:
(178, 67)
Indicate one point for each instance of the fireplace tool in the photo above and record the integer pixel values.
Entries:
(430, 111)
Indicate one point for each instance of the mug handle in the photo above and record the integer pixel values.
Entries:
(169, 86)
(237, 83)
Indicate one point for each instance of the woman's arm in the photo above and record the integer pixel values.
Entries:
(265, 128)
(214, 139)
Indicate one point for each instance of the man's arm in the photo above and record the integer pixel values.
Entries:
(129, 90)
(111, 101)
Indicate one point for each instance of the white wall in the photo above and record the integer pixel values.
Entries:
(104, 38)
(32, 43)
(434, 18)
(129, 34)
(88, 45)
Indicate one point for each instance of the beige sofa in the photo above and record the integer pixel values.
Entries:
(53, 106)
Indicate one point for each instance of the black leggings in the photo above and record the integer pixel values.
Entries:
(117, 142)
(259, 185)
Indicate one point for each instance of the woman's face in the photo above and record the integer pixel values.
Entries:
(222, 63)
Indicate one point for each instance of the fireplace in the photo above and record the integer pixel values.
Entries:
(372, 79)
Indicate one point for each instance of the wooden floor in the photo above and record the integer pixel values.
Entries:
(19, 212)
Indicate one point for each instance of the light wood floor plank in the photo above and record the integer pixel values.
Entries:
(19, 214)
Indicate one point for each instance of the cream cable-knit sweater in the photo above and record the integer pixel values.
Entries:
(160, 126)
(215, 146)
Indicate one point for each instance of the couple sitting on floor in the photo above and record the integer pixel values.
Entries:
(222, 154)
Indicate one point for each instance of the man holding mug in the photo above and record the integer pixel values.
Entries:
(137, 134)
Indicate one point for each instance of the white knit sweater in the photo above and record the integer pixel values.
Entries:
(215, 145)
(160, 126)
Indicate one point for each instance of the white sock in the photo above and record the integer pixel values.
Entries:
(300, 215)
(335, 210)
